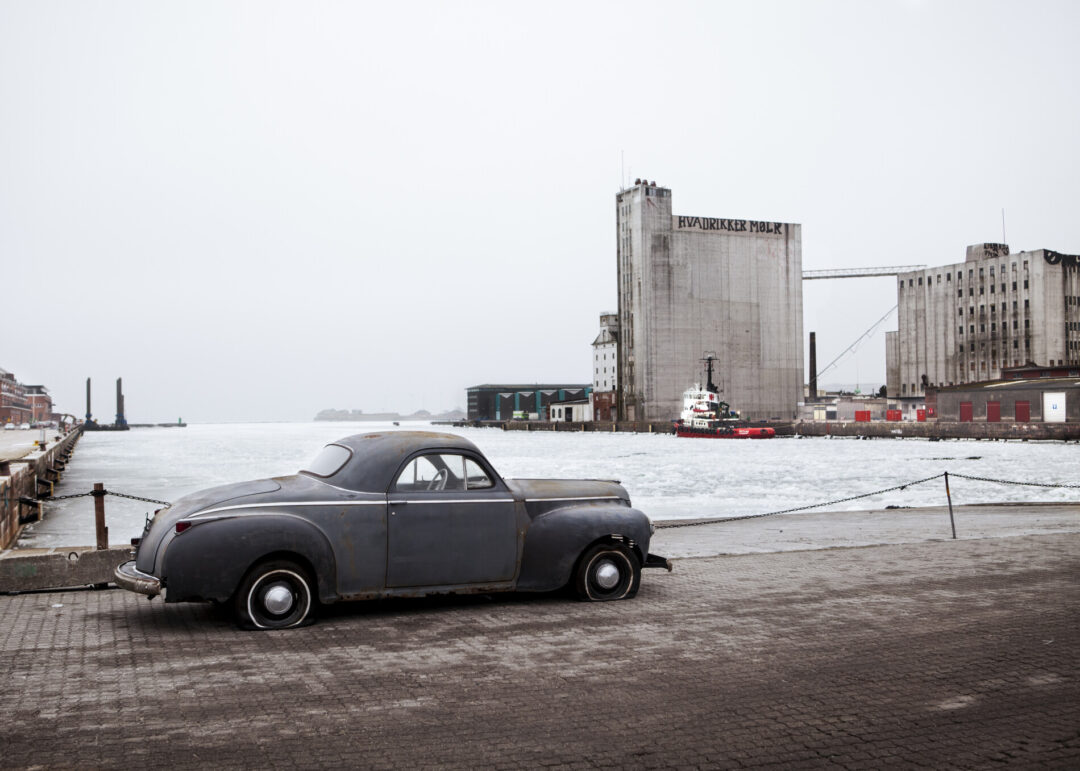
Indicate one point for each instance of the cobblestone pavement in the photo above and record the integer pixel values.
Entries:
(941, 654)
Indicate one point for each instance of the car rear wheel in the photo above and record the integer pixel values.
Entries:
(274, 595)
(607, 571)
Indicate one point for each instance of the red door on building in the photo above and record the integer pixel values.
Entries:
(1023, 412)
(965, 412)
(993, 412)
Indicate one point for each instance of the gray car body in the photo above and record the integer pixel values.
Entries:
(362, 540)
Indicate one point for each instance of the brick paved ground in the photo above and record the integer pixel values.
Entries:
(943, 654)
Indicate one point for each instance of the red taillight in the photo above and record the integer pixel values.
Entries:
(181, 526)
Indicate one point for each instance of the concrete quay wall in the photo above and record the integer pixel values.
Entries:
(879, 430)
(942, 430)
(622, 426)
(25, 570)
(25, 479)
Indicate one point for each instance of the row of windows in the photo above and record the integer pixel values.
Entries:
(971, 289)
(971, 276)
(993, 351)
(993, 308)
(993, 326)
(1016, 363)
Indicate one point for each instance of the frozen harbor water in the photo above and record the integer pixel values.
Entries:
(667, 477)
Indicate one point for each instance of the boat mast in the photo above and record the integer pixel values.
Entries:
(709, 357)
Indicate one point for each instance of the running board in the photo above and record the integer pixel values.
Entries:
(654, 561)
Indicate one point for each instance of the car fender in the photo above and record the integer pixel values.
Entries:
(208, 561)
(557, 538)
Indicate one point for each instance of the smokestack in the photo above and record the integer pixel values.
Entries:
(88, 417)
(813, 367)
(120, 402)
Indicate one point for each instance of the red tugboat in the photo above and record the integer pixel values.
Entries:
(704, 416)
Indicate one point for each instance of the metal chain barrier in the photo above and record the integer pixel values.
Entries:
(103, 493)
(1011, 482)
(717, 520)
(63, 497)
(802, 508)
(137, 498)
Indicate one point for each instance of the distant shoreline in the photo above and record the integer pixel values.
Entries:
(359, 416)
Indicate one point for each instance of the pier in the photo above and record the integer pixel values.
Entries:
(1069, 432)
(603, 426)
(941, 430)
(28, 472)
(953, 654)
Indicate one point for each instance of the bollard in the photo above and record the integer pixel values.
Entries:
(99, 516)
(948, 495)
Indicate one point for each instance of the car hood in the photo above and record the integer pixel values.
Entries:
(542, 495)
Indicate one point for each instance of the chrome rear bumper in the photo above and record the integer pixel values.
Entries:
(127, 576)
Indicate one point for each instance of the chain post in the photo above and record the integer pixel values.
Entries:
(99, 516)
(948, 495)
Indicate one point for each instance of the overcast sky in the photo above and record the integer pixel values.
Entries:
(257, 210)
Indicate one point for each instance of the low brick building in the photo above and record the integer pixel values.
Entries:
(14, 406)
(1027, 394)
(41, 404)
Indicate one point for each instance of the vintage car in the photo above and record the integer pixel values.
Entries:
(393, 514)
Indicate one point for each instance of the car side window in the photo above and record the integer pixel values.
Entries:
(475, 476)
(432, 472)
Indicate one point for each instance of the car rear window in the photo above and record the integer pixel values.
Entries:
(329, 461)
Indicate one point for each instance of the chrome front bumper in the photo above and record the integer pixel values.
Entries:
(127, 576)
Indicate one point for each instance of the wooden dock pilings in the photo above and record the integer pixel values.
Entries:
(23, 481)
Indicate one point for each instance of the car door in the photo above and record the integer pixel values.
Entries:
(452, 522)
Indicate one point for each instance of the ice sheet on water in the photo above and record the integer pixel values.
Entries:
(667, 477)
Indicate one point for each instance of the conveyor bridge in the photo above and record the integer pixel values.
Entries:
(809, 275)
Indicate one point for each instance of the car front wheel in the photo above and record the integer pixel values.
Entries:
(607, 571)
(274, 595)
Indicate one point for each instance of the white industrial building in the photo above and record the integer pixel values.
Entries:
(693, 284)
(965, 322)
(576, 412)
(606, 367)
(605, 354)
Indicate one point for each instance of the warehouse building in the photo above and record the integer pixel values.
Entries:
(969, 321)
(1025, 394)
(688, 285)
(493, 401)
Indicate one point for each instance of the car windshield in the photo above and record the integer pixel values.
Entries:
(329, 461)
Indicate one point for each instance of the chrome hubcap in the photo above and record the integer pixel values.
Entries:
(278, 599)
(607, 575)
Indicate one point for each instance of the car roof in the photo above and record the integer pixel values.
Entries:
(377, 456)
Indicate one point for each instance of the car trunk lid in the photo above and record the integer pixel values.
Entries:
(165, 519)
